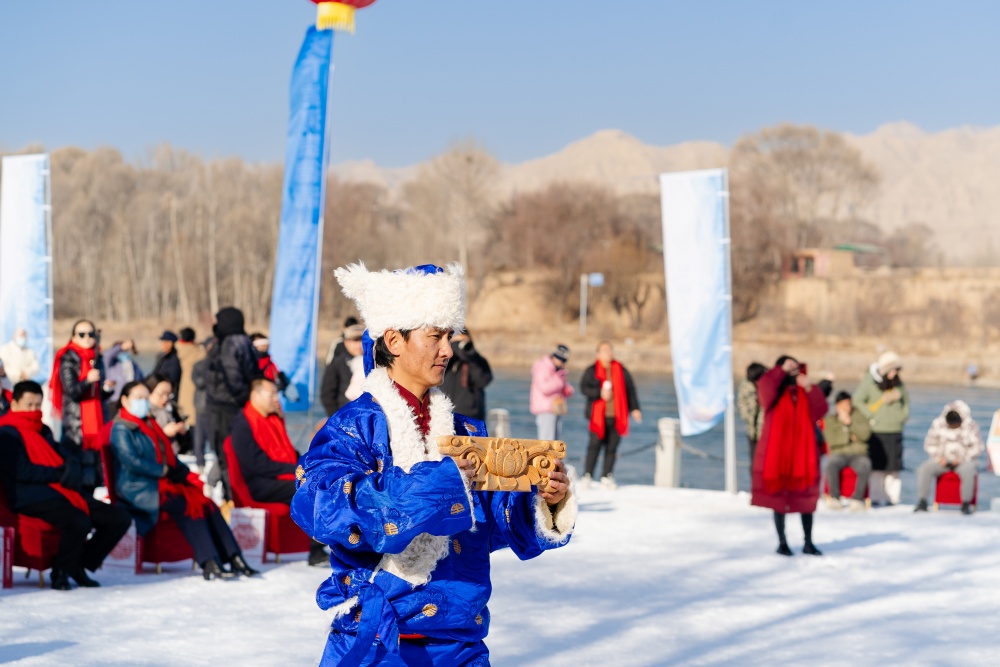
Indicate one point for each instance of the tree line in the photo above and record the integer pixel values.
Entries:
(175, 236)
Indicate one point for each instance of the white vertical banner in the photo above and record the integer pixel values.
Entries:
(695, 208)
(25, 259)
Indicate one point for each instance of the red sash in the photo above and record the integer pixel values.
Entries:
(271, 436)
(40, 452)
(91, 407)
(618, 396)
(193, 496)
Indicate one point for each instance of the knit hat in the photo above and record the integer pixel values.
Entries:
(412, 298)
(888, 361)
(229, 321)
(561, 353)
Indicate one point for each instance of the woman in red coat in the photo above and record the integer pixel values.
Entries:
(786, 464)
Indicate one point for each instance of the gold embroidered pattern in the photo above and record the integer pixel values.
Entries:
(507, 514)
(456, 546)
(429, 610)
(347, 487)
(479, 619)
(380, 466)
(347, 580)
(457, 507)
(300, 474)
(357, 616)
(471, 429)
(354, 537)
(391, 529)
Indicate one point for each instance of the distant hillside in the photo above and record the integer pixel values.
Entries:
(946, 180)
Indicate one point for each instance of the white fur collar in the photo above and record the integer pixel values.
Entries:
(421, 556)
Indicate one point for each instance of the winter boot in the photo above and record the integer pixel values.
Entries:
(783, 549)
(211, 569)
(834, 504)
(810, 550)
(858, 505)
(608, 482)
(84, 581)
(60, 580)
(240, 565)
(967, 508)
(586, 481)
(921, 506)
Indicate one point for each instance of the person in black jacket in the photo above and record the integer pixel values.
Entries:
(79, 389)
(467, 377)
(42, 479)
(168, 364)
(265, 453)
(232, 366)
(341, 370)
(611, 400)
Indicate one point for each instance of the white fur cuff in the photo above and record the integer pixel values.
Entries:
(555, 524)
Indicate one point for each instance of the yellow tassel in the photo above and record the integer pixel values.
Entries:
(335, 16)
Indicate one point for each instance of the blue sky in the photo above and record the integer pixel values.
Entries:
(523, 77)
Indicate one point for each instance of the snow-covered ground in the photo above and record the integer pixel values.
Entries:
(652, 577)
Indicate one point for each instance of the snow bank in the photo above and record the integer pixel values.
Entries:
(652, 577)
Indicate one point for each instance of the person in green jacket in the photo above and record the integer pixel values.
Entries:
(847, 432)
(882, 398)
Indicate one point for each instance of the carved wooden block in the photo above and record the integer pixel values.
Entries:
(505, 464)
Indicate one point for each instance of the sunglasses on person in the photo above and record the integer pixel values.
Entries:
(86, 334)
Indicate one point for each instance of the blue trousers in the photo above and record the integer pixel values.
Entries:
(427, 653)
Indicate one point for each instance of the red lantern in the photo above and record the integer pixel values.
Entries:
(338, 14)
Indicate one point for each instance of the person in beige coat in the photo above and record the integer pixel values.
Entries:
(189, 353)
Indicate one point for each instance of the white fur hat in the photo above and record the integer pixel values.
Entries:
(422, 296)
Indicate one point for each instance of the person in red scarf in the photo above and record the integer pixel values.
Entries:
(149, 480)
(78, 389)
(611, 400)
(265, 453)
(786, 463)
(42, 480)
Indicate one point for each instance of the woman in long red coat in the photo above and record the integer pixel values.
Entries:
(786, 464)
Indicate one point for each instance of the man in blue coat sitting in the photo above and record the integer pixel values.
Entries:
(410, 542)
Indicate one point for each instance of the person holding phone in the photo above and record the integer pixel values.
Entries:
(611, 401)
(786, 464)
(79, 389)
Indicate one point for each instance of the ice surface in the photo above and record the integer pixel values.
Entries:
(652, 577)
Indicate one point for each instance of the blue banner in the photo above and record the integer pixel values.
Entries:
(295, 301)
(25, 289)
(696, 255)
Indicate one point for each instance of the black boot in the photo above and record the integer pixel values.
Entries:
(84, 581)
(60, 580)
(211, 569)
(779, 525)
(240, 565)
(921, 506)
(318, 555)
(807, 529)
(811, 550)
(966, 508)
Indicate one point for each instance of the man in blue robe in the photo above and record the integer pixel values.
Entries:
(410, 542)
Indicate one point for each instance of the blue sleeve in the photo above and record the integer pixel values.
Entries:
(516, 524)
(126, 446)
(347, 496)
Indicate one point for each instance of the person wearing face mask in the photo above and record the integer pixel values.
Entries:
(883, 399)
(42, 480)
(19, 360)
(120, 366)
(78, 388)
(149, 480)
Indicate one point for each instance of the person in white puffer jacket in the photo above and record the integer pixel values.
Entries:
(953, 442)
